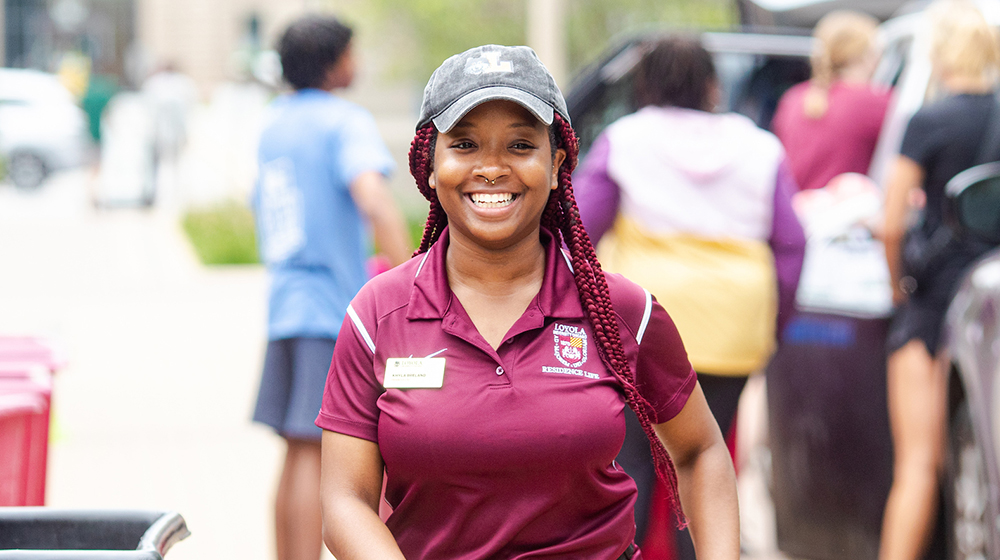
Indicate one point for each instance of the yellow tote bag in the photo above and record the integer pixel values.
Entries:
(721, 293)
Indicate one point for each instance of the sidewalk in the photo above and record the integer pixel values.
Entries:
(164, 356)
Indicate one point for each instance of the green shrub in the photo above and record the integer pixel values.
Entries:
(222, 234)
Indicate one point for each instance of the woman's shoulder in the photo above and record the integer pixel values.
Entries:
(791, 100)
(653, 121)
(631, 301)
(390, 289)
(743, 136)
(948, 108)
(795, 92)
(860, 95)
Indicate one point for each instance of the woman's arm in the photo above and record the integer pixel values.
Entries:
(350, 487)
(788, 244)
(706, 479)
(905, 176)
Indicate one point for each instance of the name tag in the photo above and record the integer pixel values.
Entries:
(414, 373)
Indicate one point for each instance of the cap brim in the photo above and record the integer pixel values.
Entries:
(454, 113)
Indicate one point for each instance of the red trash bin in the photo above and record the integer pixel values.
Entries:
(25, 402)
(31, 350)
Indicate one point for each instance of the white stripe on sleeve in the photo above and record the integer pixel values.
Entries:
(645, 316)
(361, 328)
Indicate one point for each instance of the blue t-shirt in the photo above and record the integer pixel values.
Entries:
(311, 235)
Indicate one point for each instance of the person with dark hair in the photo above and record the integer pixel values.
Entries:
(485, 380)
(695, 207)
(677, 72)
(321, 186)
(310, 47)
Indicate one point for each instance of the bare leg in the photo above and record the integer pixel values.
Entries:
(916, 391)
(298, 518)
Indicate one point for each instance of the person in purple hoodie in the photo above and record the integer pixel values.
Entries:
(694, 206)
(484, 382)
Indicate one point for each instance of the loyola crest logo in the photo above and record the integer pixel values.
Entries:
(571, 345)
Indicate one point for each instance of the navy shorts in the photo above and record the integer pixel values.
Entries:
(291, 387)
(922, 316)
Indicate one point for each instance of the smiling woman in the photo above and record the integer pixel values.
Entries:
(500, 441)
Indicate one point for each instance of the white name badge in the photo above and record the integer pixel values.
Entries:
(414, 373)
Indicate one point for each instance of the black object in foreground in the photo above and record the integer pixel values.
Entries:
(41, 533)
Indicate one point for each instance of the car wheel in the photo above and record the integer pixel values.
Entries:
(26, 170)
(966, 491)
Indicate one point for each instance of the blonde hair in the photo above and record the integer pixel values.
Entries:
(842, 38)
(963, 43)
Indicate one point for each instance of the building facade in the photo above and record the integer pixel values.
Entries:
(210, 40)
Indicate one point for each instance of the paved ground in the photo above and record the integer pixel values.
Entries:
(163, 360)
(152, 410)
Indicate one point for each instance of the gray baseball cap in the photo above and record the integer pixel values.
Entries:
(487, 73)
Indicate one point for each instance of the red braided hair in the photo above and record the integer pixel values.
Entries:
(562, 217)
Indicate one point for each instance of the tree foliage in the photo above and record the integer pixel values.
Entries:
(592, 24)
(420, 34)
(425, 32)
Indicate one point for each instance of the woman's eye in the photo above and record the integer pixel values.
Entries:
(522, 146)
(463, 145)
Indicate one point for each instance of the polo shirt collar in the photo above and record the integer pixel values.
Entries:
(431, 297)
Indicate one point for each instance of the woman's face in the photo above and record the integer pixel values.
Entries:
(493, 173)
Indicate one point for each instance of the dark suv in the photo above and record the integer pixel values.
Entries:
(754, 70)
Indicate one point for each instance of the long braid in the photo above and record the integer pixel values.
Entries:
(421, 162)
(562, 218)
(817, 98)
(595, 297)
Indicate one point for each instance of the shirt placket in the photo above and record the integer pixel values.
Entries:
(513, 345)
(463, 328)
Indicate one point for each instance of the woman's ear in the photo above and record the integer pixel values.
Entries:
(557, 161)
(432, 180)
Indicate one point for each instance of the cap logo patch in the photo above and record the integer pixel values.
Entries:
(570, 345)
(488, 63)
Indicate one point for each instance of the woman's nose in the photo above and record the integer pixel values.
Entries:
(491, 167)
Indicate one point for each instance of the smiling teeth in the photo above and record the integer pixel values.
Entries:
(492, 200)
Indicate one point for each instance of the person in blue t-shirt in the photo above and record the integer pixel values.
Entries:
(320, 196)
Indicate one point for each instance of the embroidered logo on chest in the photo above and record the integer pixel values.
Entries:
(570, 345)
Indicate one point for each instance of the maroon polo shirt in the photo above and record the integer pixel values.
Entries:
(514, 456)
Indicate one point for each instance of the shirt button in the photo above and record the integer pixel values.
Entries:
(499, 370)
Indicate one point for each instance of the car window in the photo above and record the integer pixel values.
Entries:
(613, 101)
(754, 91)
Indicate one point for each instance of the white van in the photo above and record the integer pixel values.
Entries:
(42, 129)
